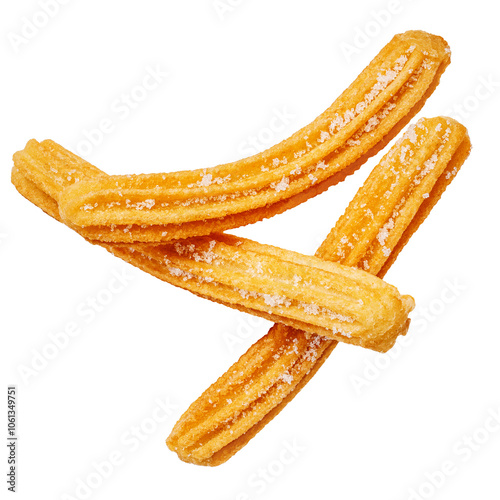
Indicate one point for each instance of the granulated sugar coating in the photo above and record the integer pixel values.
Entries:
(199, 202)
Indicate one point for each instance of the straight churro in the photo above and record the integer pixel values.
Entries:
(395, 199)
(304, 292)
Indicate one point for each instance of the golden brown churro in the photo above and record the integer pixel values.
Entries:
(397, 196)
(162, 207)
(304, 292)
(137, 217)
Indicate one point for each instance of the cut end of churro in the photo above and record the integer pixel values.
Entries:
(307, 293)
(423, 158)
(427, 41)
(247, 396)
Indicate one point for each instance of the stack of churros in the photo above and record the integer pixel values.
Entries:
(169, 225)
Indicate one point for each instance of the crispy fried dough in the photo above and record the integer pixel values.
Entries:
(166, 206)
(395, 199)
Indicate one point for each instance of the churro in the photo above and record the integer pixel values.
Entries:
(395, 199)
(167, 206)
(320, 297)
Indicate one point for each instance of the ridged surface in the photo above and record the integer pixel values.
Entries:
(304, 292)
(162, 207)
(276, 368)
(331, 300)
(386, 211)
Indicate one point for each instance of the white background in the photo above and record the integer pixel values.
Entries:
(229, 73)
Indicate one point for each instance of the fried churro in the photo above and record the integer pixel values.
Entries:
(304, 292)
(395, 199)
(316, 301)
(167, 206)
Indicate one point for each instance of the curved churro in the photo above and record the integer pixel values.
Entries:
(304, 292)
(162, 207)
(386, 211)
